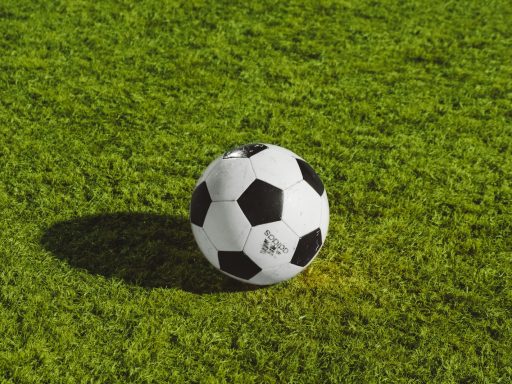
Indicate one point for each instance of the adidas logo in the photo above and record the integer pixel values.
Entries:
(272, 246)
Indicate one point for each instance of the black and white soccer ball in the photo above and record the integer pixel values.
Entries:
(259, 214)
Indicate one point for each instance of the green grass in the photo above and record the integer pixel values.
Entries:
(109, 112)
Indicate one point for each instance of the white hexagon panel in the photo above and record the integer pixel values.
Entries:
(205, 245)
(276, 167)
(271, 244)
(277, 273)
(229, 179)
(302, 208)
(287, 151)
(226, 226)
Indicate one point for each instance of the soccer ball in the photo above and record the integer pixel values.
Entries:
(259, 214)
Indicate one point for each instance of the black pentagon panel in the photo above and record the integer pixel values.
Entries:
(261, 203)
(310, 176)
(200, 203)
(245, 151)
(307, 248)
(238, 264)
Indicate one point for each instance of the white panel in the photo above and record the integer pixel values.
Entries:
(226, 226)
(207, 171)
(276, 274)
(271, 244)
(205, 245)
(302, 208)
(229, 179)
(276, 167)
(324, 217)
(292, 154)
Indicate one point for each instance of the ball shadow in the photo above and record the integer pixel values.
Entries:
(143, 249)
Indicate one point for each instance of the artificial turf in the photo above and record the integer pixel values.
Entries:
(109, 112)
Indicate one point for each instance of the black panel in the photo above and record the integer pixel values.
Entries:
(310, 176)
(245, 151)
(261, 203)
(200, 203)
(238, 264)
(307, 248)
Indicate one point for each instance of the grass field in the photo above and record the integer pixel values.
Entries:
(109, 112)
